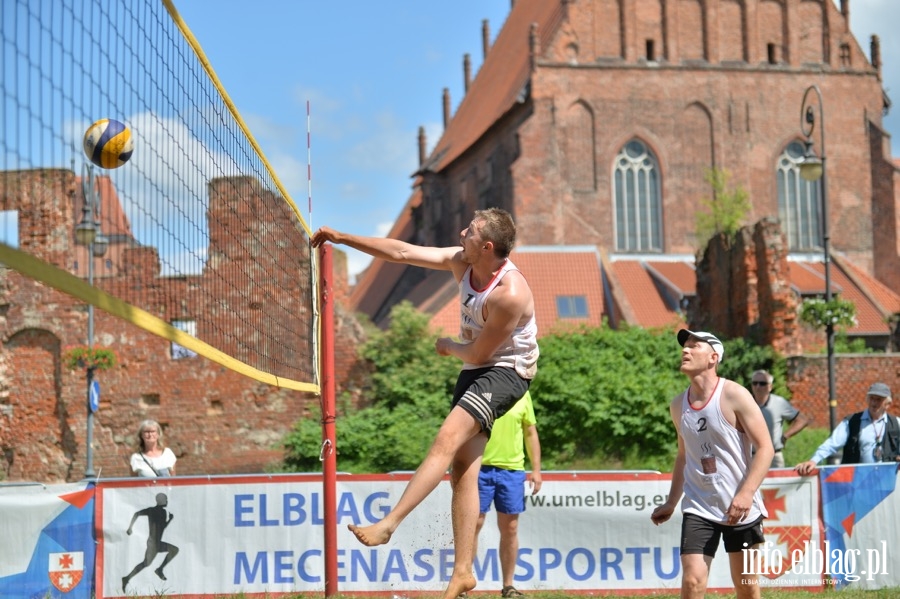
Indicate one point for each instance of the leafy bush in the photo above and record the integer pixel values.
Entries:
(601, 398)
(837, 312)
(605, 391)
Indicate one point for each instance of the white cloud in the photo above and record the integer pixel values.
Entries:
(356, 263)
(433, 133)
(269, 132)
(388, 147)
(383, 229)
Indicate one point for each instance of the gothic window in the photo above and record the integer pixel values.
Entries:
(638, 206)
(798, 201)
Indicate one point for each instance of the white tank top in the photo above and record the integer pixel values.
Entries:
(519, 351)
(717, 458)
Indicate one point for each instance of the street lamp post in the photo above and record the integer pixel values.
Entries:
(812, 168)
(88, 233)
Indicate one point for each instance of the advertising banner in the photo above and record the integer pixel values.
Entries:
(264, 534)
(47, 547)
(861, 510)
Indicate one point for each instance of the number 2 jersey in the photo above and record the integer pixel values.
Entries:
(717, 459)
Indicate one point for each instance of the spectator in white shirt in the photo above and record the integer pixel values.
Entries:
(867, 437)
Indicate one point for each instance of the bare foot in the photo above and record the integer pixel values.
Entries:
(376, 534)
(459, 584)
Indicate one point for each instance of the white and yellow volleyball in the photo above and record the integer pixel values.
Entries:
(108, 143)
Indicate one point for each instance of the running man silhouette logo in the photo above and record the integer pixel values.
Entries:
(158, 518)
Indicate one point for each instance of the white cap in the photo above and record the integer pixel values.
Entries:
(717, 346)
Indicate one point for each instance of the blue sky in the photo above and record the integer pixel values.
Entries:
(373, 73)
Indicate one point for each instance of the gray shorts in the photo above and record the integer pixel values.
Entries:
(488, 393)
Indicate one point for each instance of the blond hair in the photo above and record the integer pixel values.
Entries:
(145, 424)
(497, 226)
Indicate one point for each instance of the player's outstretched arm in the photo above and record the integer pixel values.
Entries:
(392, 250)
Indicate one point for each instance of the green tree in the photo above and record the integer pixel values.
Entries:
(604, 391)
(601, 396)
(726, 211)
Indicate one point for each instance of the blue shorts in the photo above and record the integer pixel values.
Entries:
(505, 488)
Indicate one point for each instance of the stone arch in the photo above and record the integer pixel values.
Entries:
(39, 444)
(732, 31)
(649, 18)
(691, 30)
(692, 156)
(579, 152)
(772, 21)
(811, 32)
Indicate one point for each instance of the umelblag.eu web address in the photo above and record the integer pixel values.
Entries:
(599, 499)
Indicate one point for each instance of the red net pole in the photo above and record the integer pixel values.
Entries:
(329, 448)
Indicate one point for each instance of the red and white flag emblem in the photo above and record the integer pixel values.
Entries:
(66, 569)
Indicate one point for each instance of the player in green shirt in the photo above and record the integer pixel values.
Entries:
(502, 480)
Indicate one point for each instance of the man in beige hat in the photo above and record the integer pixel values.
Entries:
(867, 437)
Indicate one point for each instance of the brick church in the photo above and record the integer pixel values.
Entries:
(596, 122)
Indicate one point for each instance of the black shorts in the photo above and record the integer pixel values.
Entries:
(699, 535)
(488, 393)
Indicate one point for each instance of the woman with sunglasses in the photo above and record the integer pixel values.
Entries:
(153, 458)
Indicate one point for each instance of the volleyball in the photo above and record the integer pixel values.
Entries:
(108, 143)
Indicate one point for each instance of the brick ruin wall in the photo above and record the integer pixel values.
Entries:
(215, 420)
(749, 274)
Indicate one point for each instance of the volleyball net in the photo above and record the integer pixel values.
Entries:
(194, 239)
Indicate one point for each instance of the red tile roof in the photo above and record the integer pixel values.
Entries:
(678, 275)
(649, 307)
(639, 292)
(562, 271)
(446, 318)
(871, 307)
(886, 301)
(500, 81)
(113, 221)
(806, 279)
